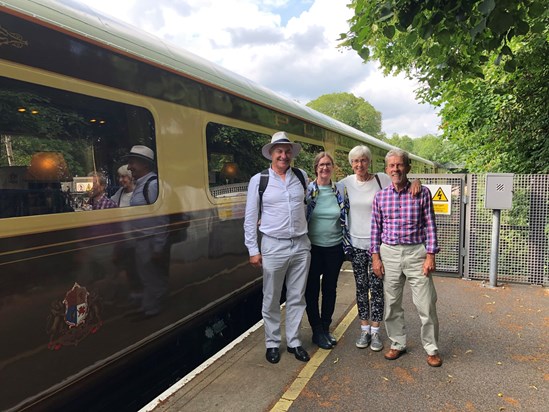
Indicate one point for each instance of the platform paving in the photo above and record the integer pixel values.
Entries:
(494, 343)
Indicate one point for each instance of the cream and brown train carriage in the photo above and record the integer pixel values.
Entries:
(77, 91)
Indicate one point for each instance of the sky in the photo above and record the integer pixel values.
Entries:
(288, 46)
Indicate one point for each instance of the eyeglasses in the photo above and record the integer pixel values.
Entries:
(357, 161)
(325, 165)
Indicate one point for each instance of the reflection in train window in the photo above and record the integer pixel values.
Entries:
(51, 140)
(343, 167)
(306, 158)
(234, 156)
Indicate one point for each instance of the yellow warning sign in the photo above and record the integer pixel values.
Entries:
(439, 196)
(441, 199)
(441, 208)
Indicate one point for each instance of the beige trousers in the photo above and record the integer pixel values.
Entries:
(401, 263)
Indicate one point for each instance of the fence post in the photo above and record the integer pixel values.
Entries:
(494, 250)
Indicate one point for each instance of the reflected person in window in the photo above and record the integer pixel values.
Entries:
(98, 197)
(123, 195)
(152, 251)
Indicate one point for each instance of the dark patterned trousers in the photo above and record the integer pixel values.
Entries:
(369, 288)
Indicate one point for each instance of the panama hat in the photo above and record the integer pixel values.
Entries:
(280, 138)
(141, 152)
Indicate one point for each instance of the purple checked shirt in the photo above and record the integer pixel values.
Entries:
(398, 218)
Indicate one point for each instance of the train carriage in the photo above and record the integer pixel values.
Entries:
(77, 90)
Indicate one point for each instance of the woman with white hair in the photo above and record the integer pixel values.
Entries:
(123, 195)
(361, 189)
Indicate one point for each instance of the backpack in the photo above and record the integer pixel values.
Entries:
(178, 222)
(264, 181)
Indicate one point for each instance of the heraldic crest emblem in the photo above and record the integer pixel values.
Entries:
(74, 318)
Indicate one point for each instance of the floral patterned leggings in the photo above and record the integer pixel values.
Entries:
(369, 288)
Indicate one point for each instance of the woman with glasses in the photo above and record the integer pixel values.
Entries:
(362, 187)
(327, 211)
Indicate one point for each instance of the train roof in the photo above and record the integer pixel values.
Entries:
(87, 22)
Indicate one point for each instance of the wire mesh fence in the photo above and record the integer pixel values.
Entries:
(524, 232)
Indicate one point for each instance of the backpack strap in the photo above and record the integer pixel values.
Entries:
(146, 188)
(264, 181)
(300, 176)
(378, 182)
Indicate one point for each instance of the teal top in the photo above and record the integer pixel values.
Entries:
(324, 224)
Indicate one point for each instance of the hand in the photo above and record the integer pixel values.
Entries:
(377, 266)
(415, 188)
(256, 261)
(429, 265)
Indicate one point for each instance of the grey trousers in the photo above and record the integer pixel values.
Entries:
(284, 259)
(401, 263)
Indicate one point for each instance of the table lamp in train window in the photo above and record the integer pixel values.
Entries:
(48, 167)
(229, 172)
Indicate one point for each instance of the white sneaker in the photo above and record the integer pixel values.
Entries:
(377, 344)
(363, 340)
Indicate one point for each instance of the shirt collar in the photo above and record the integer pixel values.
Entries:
(406, 187)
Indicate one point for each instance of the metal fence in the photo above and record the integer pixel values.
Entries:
(450, 228)
(465, 235)
(524, 232)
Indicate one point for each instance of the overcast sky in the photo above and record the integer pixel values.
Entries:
(289, 46)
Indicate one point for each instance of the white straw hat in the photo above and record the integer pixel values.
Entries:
(141, 152)
(280, 138)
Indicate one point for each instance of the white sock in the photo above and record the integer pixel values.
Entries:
(365, 328)
(375, 329)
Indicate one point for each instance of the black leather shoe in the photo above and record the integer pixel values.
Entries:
(321, 340)
(299, 353)
(326, 329)
(331, 338)
(272, 355)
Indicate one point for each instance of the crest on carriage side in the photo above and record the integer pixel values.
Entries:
(74, 318)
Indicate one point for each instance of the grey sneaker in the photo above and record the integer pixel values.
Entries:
(377, 344)
(364, 340)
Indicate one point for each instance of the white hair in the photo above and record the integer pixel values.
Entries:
(124, 171)
(360, 151)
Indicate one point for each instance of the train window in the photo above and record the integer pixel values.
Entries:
(343, 167)
(56, 144)
(306, 158)
(234, 156)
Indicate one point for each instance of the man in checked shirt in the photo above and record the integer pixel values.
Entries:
(404, 244)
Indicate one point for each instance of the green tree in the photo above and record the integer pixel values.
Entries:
(432, 147)
(403, 142)
(484, 61)
(351, 110)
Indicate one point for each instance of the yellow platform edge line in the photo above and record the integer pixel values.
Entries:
(295, 389)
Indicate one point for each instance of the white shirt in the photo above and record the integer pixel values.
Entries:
(122, 198)
(283, 211)
(361, 196)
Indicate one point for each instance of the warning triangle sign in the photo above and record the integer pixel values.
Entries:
(439, 196)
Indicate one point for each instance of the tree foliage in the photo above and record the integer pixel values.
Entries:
(351, 110)
(404, 142)
(484, 61)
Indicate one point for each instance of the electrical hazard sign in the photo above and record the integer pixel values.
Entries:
(441, 195)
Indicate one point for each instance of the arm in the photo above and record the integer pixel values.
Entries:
(376, 229)
(415, 188)
(250, 221)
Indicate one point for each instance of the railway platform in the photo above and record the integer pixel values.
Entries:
(494, 343)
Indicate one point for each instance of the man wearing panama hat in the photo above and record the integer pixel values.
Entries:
(284, 255)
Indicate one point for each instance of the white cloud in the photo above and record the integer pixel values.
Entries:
(287, 46)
